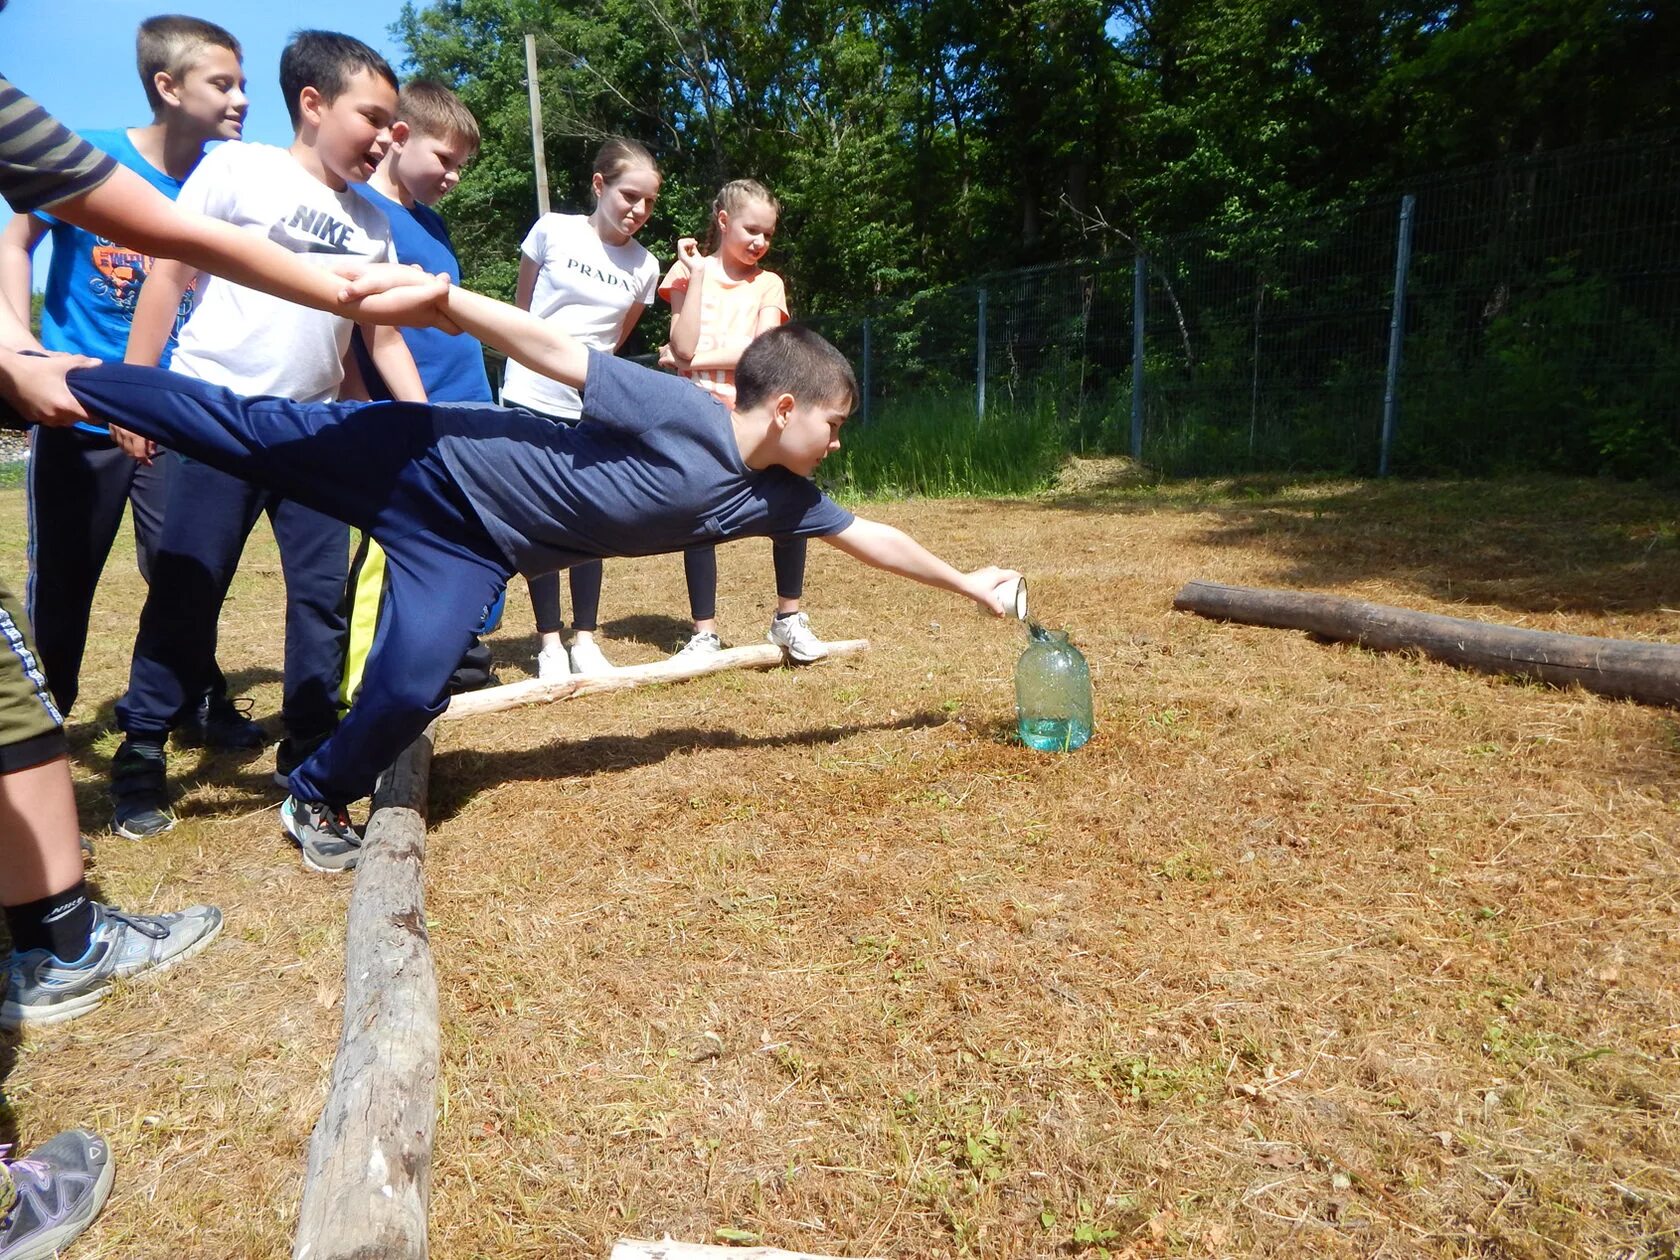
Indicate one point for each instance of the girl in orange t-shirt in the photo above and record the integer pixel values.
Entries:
(720, 300)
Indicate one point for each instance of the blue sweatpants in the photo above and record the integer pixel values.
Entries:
(209, 515)
(371, 465)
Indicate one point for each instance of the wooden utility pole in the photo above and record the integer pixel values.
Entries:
(537, 156)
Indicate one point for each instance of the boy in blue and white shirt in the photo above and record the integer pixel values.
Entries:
(79, 480)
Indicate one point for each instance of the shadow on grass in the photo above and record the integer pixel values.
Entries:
(84, 731)
(1529, 545)
(457, 775)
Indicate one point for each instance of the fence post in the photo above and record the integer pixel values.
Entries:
(980, 363)
(864, 385)
(1396, 331)
(1140, 299)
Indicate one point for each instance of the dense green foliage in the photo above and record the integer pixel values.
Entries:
(934, 446)
(924, 141)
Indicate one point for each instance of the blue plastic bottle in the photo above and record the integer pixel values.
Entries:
(1052, 693)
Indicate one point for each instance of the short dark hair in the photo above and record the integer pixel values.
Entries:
(326, 61)
(169, 44)
(794, 360)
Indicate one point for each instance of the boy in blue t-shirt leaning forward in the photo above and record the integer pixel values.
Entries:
(79, 479)
(462, 497)
(434, 137)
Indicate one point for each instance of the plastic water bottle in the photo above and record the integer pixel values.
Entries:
(1052, 692)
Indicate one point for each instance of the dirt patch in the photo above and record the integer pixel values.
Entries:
(1311, 951)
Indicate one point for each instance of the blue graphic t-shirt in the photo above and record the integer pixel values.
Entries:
(93, 283)
(451, 368)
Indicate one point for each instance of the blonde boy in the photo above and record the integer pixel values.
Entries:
(79, 479)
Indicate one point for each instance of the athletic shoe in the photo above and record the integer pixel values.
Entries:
(52, 1194)
(552, 665)
(289, 754)
(701, 644)
(222, 725)
(140, 790)
(795, 637)
(329, 843)
(588, 659)
(42, 988)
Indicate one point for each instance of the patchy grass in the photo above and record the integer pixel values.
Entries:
(1311, 951)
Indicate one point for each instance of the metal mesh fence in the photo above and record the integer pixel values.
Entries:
(1540, 328)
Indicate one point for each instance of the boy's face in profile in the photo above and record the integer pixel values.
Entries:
(353, 130)
(427, 167)
(810, 433)
(211, 94)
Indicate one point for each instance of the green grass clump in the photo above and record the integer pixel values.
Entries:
(933, 446)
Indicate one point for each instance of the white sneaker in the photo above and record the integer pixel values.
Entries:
(553, 665)
(795, 637)
(588, 659)
(701, 644)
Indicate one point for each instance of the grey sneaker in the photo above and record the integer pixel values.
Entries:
(795, 637)
(42, 988)
(140, 791)
(701, 645)
(329, 843)
(52, 1194)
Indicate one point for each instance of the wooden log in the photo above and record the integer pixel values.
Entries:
(668, 1249)
(1626, 669)
(677, 669)
(368, 1182)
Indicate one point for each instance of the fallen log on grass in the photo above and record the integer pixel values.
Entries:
(1647, 672)
(369, 1179)
(676, 669)
(669, 1249)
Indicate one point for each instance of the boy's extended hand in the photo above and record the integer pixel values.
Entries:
(34, 385)
(987, 587)
(394, 293)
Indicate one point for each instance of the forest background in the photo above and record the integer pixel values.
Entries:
(929, 143)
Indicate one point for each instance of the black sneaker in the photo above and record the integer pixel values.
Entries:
(221, 725)
(292, 753)
(140, 790)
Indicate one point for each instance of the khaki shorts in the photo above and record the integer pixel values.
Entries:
(31, 730)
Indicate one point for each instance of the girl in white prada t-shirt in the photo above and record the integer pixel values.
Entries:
(587, 275)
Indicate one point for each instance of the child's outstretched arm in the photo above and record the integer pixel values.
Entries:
(128, 209)
(885, 547)
(520, 335)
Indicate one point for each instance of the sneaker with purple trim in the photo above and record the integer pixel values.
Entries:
(52, 1194)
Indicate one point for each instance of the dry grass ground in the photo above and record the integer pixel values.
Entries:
(1311, 952)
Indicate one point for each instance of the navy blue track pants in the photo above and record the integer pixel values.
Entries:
(208, 517)
(371, 465)
(79, 484)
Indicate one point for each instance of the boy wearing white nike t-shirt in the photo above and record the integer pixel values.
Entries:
(342, 97)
